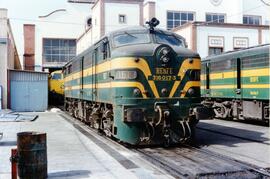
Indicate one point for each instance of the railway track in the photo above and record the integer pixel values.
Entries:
(183, 161)
(232, 135)
(191, 162)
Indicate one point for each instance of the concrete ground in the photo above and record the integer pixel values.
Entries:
(72, 154)
(246, 142)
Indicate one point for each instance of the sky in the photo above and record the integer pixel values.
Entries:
(19, 11)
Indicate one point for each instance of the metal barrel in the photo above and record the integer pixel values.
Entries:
(32, 155)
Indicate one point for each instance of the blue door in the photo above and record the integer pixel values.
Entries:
(28, 91)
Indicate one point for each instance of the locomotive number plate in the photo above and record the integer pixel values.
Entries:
(164, 78)
(164, 74)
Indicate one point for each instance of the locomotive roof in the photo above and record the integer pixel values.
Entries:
(231, 53)
(139, 29)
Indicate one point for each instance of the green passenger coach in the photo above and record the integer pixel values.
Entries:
(236, 83)
(138, 85)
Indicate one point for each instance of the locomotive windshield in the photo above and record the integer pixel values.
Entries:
(131, 39)
(168, 39)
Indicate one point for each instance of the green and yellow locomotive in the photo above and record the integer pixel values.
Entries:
(138, 85)
(236, 83)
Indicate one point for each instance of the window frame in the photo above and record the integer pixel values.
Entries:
(180, 20)
(59, 54)
(249, 16)
(99, 55)
(222, 50)
(217, 14)
(125, 19)
(122, 33)
(177, 37)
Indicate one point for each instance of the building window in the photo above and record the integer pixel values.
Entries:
(122, 19)
(175, 19)
(215, 18)
(58, 50)
(215, 50)
(252, 20)
(240, 43)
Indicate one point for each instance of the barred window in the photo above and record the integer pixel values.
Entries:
(175, 19)
(215, 18)
(58, 50)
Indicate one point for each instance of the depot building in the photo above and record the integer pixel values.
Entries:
(209, 26)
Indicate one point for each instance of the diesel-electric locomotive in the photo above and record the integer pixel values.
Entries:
(237, 84)
(138, 85)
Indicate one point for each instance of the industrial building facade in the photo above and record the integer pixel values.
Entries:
(230, 24)
(56, 34)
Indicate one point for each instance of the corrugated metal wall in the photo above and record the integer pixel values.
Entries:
(28, 91)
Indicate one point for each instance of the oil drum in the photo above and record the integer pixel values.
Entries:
(32, 155)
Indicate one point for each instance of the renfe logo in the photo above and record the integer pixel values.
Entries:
(216, 2)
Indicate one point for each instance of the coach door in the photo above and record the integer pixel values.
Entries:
(81, 78)
(238, 90)
(94, 78)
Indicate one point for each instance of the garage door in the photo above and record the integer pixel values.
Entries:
(28, 91)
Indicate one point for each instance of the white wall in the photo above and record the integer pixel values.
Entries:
(228, 33)
(200, 7)
(84, 42)
(112, 11)
(186, 32)
(69, 24)
(256, 7)
(111, 21)
(265, 36)
(96, 21)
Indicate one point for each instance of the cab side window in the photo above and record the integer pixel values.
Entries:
(102, 50)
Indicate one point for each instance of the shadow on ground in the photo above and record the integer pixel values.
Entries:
(209, 134)
(70, 174)
(8, 143)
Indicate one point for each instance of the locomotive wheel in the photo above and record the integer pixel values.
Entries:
(220, 111)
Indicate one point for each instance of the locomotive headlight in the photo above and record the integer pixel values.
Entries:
(125, 75)
(165, 55)
(136, 92)
(191, 91)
